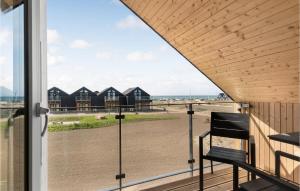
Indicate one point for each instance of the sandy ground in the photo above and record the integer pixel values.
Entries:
(87, 159)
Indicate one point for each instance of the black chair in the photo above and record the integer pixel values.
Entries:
(266, 182)
(229, 125)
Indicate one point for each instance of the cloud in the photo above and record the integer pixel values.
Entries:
(131, 22)
(140, 56)
(103, 55)
(53, 57)
(81, 44)
(5, 36)
(3, 60)
(53, 37)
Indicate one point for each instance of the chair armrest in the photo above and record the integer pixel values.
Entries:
(268, 177)
(204, 134)
(201, 137)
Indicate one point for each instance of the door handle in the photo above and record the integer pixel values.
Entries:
(42, 111)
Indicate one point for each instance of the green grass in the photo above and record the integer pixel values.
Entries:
(3, 124)
(89, 122)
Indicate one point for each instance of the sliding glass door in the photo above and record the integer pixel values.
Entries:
(13, 104)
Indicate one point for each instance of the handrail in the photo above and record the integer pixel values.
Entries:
(82, 98)
(158, 104)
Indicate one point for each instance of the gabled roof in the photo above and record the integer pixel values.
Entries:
(84, 88)
(129, 90)
(106, 89)
(56, 88)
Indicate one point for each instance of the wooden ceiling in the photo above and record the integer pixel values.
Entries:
(250, 49)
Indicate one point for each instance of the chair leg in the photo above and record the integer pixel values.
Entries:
(201, 169)
(235, 180)
(211, 167)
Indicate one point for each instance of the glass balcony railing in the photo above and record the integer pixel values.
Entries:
(142, 98)
(136, 147)
(54, 98)
(83, 98)
(115, 98)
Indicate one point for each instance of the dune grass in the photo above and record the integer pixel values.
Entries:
(90, 121)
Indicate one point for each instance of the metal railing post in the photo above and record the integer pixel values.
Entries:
(191, 160)
(121, 175)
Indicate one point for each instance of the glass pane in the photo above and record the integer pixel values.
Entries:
(82, 149)
(12, 126)
(156, 144)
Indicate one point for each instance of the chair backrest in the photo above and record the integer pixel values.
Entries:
(231, 125)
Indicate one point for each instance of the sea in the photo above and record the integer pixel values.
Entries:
(183, 97)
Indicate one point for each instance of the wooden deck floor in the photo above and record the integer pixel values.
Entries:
(221, 180)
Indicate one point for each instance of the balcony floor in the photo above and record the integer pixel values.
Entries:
(221, 180)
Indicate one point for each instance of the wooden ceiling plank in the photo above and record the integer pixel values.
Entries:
(218, 37)
(165, 11)
(279, 39)
(151, 9)
(239, 82)
(231, 32)
(227, 64)
(278, 61)
(273, 48)
(267, 82)
(289, 31)
(189, 9)
(260, 75)
(142, 6)
(235, 9)
(213, 9)
(267, 68)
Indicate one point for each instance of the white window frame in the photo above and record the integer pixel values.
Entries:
(36, 15)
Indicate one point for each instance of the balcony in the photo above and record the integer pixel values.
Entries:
(143, 98)
(115, 98)
(83, 98)
(155, 147)
(54, 98)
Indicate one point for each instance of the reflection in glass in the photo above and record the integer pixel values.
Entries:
(11, 96)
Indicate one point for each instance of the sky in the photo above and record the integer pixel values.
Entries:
(12, 53)
(102, 43)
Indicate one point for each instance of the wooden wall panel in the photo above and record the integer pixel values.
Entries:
(235, 43)
(272, 118)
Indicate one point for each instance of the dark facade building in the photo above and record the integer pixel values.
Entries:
(110, 98)
(138, 98)
(84, 99)
(58, 99)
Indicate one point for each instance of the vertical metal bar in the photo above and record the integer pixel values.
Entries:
(120, 148)
(191, 155)
(235, 177)
(277, 163)
(201, 179)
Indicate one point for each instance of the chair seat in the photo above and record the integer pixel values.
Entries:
(225, 155)
(258, 185)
